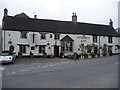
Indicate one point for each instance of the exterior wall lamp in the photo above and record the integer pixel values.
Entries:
(10, 42)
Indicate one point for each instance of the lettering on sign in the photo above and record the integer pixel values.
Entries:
(83, 38)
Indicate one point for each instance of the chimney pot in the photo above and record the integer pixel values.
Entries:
(74, 18)
(111, 22)
(5, 12)
(35, 16)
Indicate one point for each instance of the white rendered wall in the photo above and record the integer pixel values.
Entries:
(15, 38)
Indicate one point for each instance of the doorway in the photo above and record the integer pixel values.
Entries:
(56, 51)
(11, 48)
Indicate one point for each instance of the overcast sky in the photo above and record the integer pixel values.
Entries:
(89, 11)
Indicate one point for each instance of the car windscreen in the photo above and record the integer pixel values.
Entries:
(6, 54)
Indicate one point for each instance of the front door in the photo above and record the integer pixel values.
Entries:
(56, 51)
(11, 48)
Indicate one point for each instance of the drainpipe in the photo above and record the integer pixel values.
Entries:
(99, 45)
(0, 40)
(4, 39)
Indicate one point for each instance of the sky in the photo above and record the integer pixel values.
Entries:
(88, 11)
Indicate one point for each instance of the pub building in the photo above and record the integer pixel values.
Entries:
(40, 37)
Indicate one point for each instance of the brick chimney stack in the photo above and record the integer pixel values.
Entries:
(111, 22)
(74, 18)
(5, 12)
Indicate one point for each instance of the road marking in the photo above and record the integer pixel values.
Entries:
(0, 75)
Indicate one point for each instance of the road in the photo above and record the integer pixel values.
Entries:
(62, 73)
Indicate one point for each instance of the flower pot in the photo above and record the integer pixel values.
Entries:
(82, 57)
(89, 56)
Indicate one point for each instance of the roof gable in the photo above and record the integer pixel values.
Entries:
(67, 38)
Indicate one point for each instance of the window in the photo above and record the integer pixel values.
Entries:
(43, 36)
(67, 46)
(22, 49)
(41, 48)
(110, 40)
(57, 36)
(50, 35)
(23, 34)
(95, 39)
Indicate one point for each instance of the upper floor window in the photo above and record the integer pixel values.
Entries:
(57, 36)
(110, 40)
(43, 35)
(95, 39)
(23, 34)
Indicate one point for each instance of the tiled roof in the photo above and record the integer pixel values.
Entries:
(55, 26)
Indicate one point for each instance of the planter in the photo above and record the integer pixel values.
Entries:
(93, 56)
(96, 55)
(31, 56)
(82, 57)
(89, 56)
(85, 56)
(20, 56)
(104, 54)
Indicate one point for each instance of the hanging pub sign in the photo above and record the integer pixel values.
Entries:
(32, 47)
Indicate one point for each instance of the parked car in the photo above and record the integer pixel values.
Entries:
(8, 57)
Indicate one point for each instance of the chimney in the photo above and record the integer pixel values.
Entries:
(111, 22)
(5, 12)
(35, 16)
(74, 18)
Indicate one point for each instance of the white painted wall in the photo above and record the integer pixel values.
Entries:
(15, 38)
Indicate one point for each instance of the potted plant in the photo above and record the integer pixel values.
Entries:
(104, 50)
(62, 54)
(31, 54)
(19, 54)
(82, 46)
(89, 49)
(44, 54)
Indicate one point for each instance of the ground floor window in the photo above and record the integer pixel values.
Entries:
(67, 46)
(41, 48)
(22, 49)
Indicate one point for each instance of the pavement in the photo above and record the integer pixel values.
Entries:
(61, 73)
